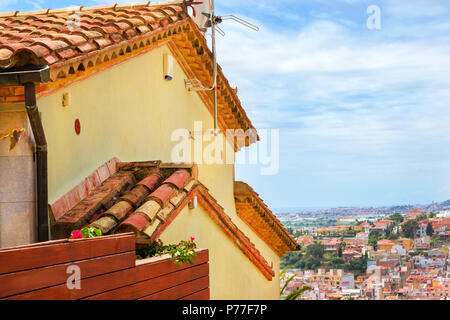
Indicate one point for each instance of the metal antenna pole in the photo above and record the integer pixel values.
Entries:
(213, 43)
(195, 84)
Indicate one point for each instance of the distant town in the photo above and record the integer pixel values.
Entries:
(388, 253)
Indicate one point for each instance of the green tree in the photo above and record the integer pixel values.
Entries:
(312, 263)
(315, 250)
(397, 217)
(297, 234)
(374, 236)
(409, 228)
(341, 247)
(430, 230)
(415, 253)
(393, 236)
(357, 265)
(300, 264)
(290, 259)
(389, 230)
(423, 216)
(336, 262)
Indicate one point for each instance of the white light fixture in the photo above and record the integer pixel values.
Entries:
(168, 66)
(193, 203)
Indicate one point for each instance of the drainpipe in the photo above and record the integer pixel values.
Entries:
(41, 161)
(28, 76)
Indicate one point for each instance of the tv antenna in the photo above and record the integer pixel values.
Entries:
(204, 16)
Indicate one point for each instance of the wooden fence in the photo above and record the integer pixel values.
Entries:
(108, 270)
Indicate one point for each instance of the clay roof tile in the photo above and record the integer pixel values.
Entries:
(94, 23)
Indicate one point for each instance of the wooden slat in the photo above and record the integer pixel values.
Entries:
(155, 267)
(200, 295)
(59, 241)
(89, 286)
(148, 287)
(35, 256)
(23, 281)
(106, 282)
(180, 291)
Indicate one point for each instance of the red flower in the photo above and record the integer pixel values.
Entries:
(192, 239)
(76, 234)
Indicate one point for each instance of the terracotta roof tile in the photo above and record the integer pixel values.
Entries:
(135, 223)
(67, 53)
(50, 59)
(164, 214)
(178, 179)
(119, 210)
(151, 181)
(62, 205)
(149, 209)
(162, 194)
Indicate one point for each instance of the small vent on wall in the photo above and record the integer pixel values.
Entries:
(168, 67)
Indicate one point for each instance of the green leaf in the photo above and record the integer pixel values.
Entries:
(287, 282)
(294, 295)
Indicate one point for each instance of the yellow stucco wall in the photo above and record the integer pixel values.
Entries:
(129, 111)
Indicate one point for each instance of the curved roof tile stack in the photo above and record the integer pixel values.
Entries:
(159, 205)
(144, 198)
(137, 197)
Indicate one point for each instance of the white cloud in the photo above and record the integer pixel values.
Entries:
(415, 9)
(8, 5)
(352, 104)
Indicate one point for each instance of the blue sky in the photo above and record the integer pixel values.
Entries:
(363, 114)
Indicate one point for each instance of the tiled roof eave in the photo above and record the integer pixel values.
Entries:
(253, 200)
(140, 41)
(262, 228)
